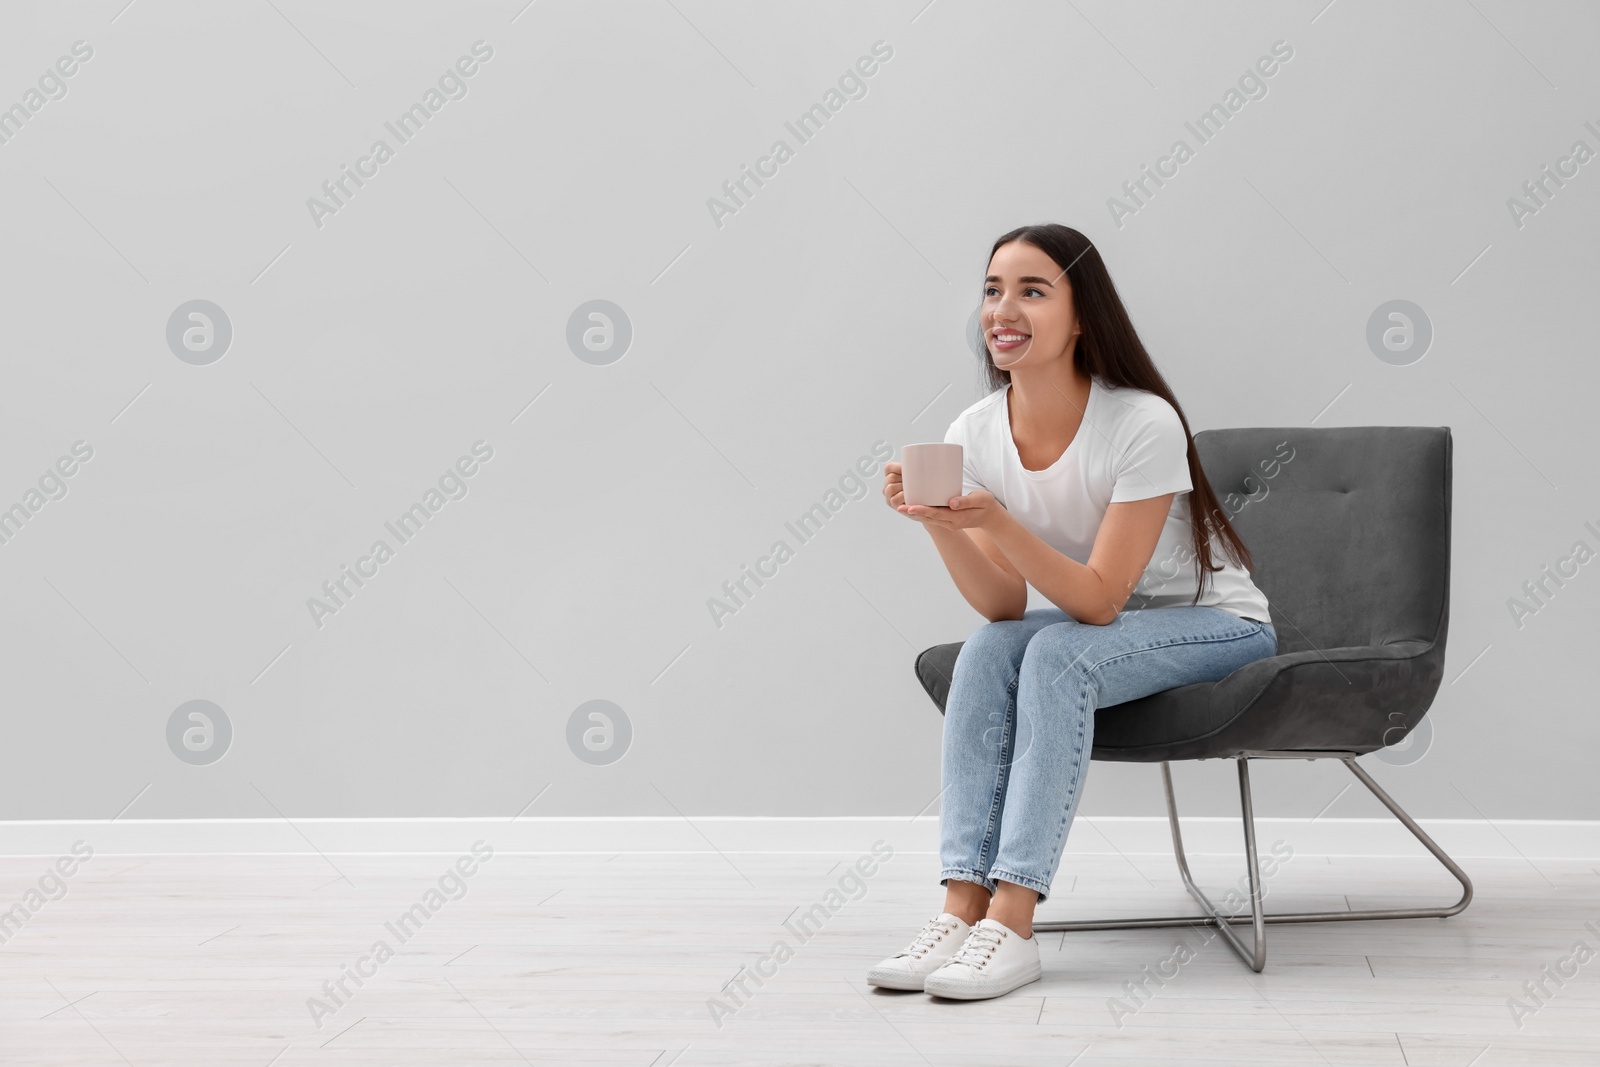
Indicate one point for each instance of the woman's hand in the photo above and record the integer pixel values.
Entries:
(977, 510)
(894, 490)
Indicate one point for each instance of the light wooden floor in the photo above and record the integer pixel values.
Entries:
(570, 959)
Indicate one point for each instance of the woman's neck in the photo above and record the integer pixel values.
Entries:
(1048, 398)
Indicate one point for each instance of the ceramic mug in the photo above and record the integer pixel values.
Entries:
(931, 473)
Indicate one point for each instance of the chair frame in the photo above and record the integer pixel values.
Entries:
(1255, 955)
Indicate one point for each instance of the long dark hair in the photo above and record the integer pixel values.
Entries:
(1109, 349)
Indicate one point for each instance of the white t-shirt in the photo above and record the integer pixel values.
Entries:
(1131, 446)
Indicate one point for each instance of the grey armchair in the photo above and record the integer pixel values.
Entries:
(1351, 542)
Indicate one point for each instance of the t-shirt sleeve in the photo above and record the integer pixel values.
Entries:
(957, 435)
(1155, 459)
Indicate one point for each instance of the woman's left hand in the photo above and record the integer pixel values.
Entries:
(978, 508)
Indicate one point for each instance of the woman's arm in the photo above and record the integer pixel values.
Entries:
(994, 588)
(980, 570)
(1096, 591)
(1092, 592)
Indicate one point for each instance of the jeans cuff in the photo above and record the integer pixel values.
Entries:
(962, 874)
(1035, 884)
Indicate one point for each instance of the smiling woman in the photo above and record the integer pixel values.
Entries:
(1078, 473)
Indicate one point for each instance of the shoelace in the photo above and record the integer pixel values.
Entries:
(931, 933)
(978, 947)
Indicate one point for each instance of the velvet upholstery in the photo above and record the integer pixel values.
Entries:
(1351, 543)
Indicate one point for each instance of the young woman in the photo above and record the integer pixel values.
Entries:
(1081, 479)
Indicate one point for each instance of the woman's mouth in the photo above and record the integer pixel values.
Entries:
(1006, 340)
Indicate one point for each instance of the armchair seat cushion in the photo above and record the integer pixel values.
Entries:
(1338, 699)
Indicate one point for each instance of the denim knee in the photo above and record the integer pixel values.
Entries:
(1006, 640)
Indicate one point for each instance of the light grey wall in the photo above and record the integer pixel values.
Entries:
(769, 353)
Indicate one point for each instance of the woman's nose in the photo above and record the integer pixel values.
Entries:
(1001, 313)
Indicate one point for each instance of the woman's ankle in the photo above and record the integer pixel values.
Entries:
(1021, 925)
(1012, 906)
(966, 912)
(967, 901)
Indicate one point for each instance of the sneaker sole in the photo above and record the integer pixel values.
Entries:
(894, 981)
(980, 991)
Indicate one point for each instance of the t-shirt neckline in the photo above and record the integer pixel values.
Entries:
(1011, 443)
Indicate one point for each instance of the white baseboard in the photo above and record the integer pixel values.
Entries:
(1130, 835)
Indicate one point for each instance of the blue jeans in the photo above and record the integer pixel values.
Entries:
(1019, 723)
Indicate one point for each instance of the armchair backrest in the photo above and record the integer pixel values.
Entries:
(1349, 528)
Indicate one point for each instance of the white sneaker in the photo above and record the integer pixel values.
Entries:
(992, 961)
(937, 942)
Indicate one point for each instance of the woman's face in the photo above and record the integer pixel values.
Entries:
(1028, 318)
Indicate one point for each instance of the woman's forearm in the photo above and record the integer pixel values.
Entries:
(1073, 587)
(986, 587)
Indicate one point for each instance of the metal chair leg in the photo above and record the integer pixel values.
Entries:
(1255, 956)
